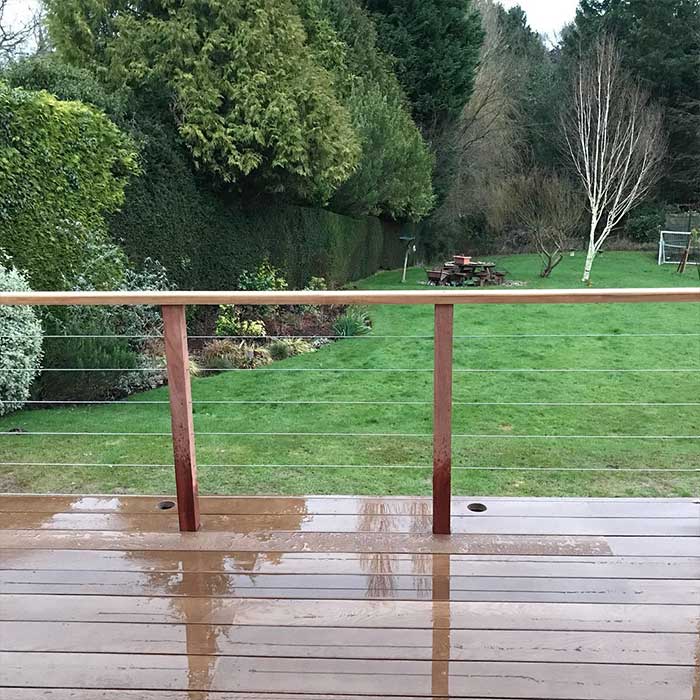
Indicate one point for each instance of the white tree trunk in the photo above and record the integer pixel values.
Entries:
(590, 256)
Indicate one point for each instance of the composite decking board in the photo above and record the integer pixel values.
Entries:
(654, 546)
(583, 546)
(351, 587)
(317, 505)
(371, 523)
(348, 643)
(389, 678)
(591, 597)
(352, 613)
(320, 542)
(323, 564)
(78, 694)
(82, 694)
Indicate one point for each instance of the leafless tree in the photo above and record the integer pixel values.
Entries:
(550, 208)
(487, 136)
(15, 38)
(615, 140)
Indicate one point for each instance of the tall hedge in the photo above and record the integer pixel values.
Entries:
(63, 166)
(205, 239)
(302, 242)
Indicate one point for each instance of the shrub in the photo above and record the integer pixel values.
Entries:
(20, 344)
(299, 346)
(644, 223)
(48, 72)
(265, 278)
(121, 338)
(355, 321)
(63, 166)
(230, 323)
(219, 354)
(279, 350)
(89, 354)
(315, 284)
(226, 354)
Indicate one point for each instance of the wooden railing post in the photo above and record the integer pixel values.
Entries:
(177, 357)
(442, 419)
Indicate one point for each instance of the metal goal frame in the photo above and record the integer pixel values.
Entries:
(672, 246)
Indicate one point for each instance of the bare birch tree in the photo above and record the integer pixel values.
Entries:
(615, 139)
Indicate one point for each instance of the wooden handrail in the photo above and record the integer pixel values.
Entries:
(319, 298)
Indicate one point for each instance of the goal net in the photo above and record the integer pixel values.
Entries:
(672, 247)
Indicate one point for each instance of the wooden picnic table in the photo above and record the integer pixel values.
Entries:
(456, 273)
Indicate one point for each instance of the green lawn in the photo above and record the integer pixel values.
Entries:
(487, 337)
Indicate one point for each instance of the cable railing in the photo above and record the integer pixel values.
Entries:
(441, 438)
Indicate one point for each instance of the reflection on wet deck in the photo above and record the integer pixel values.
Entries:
(341, 598)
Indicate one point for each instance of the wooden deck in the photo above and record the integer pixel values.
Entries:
(348, 598)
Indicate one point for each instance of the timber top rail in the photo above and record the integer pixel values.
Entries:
(480, 296)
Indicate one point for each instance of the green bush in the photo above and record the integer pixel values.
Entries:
(230, 324)
(100, 338)
(265, 278)
(644, 223)
(299, 346)
(64, 81)
(279, 350)
(20, 344)
(226, 354)
(355, 321)
(63, 166)
(93, 355)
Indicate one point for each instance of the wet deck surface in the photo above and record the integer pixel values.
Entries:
(349, 599)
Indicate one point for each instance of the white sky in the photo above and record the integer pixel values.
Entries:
(19, 11)
(546, 16)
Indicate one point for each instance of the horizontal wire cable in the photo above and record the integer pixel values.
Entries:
(367, 369)
(272, 402)
(373, 337)
(358, 466)
(80, 402)
(363, 435)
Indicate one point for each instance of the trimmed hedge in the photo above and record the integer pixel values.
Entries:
(205, 239)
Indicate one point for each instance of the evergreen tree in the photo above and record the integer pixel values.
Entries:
(436, 46)
(250, 98)
(538, 84)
